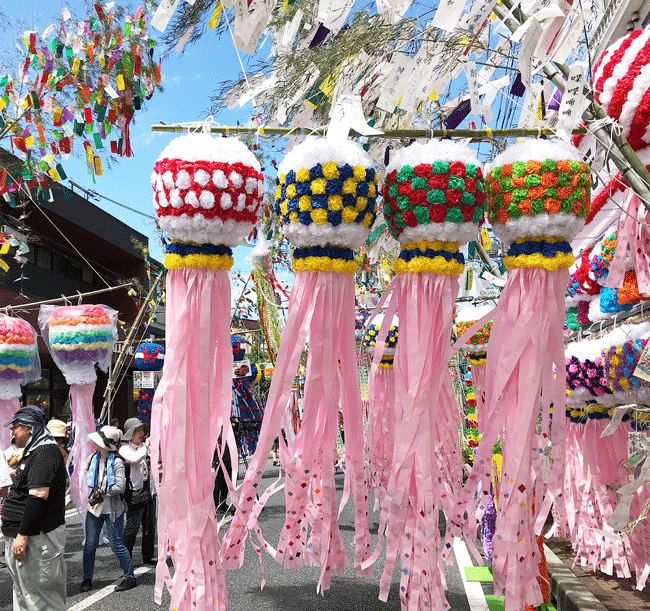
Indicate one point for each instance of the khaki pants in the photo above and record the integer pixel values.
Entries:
(39, 581)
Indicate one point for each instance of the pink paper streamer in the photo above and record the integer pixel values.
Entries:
(83, 423)
(426, 466)
(190, 407)
(525, 344)
(8, 407)
(595, 501)
(638, 541)
(633, 232)
(381, 429)
(323, 303)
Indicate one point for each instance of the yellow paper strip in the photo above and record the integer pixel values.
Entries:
(216, 15)
(4, 248)
(4, 266)
(120, 82)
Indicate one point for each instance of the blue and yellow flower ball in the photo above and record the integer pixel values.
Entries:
(369, 340)
(326, 201)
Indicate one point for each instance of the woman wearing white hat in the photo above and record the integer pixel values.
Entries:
(141, 503)
(105, 477)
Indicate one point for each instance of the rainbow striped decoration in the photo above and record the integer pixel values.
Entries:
(78, 337)
(19, 362)
(17, 348)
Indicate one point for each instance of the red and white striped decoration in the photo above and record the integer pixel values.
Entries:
(622, 86)
(207, 190)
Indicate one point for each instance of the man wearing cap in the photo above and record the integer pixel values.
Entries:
(33, 517)
(138, 496)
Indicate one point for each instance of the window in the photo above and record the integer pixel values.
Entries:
(43, 258)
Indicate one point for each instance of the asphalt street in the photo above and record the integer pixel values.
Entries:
(285, 590)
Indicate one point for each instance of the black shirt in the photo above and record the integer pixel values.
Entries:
(43, 468)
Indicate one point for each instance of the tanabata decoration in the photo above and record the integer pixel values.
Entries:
(538, 197)
(207, 194)
(325, 198)
(149, 356)
(382, 420)
(433, 203)
(475, 349)
(19, 365)
(78, 338)
(80, 80)
(247, 411)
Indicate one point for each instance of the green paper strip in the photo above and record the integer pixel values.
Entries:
(127, 29)
(482, 574)
(60, 172)
(495, 604)
(89, 128)
(98, 141)
(4, 81)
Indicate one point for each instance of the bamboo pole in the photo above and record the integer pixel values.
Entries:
(110, 385)
(388, 134)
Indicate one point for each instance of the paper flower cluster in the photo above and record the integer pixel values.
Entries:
(150, 356)
(369, 340)
(434, 192)
(475, 346)
(19, 362)
(622, 86)
(470, 412)
(600, 375)
(326, 200)
(602, 256)
(78, 337)
(538, 197)
(207, 195)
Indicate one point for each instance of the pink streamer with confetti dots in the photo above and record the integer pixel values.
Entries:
(323, 304)
(190, 408)
(426, 464)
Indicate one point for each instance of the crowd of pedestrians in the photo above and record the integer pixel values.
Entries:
(33, 481)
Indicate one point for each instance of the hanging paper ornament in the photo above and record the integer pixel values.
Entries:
(19, 365)
(622, 88)
(382, 420)
(538, 197)
(207, 194)
(144, 403)
(475, 349)
(621, 350)
(325, 198)
(433, 202)
(150, 356)
(247, 411)
(78, 338)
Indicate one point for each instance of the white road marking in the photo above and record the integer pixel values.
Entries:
(473, 590)
(104, 592)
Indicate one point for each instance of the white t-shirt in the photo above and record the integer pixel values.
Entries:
(5, 473)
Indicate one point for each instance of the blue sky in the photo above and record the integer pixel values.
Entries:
(189, 80)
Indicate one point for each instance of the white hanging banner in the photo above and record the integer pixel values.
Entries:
(332, 13)
(573, 101)
(528, 116)
(289, 32)
(528, 46)
(476, 17)
(163, 14)
(447, 14)
(393, 9)
(396, 82)
(300, 120)
(472, 86)
(281, 114)
(568, 44)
